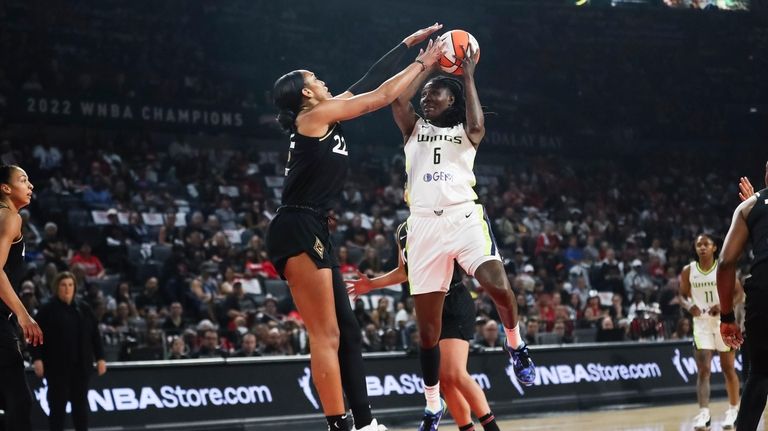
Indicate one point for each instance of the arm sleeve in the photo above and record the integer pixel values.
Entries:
(380, 71)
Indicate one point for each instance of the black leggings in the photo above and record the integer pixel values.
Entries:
(351, 353)
(15, 398)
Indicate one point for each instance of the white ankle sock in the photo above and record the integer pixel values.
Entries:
(513, 337)
(432, 394)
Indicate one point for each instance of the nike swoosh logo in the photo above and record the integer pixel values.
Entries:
(467, 215)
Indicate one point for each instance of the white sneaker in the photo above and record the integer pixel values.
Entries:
(373, 426)
(702, 421)
(729, 422)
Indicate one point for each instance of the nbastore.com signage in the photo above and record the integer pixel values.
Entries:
(63, 109)
(266, 391)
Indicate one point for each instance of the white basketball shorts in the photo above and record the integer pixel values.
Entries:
(706, 334)
(438, 236)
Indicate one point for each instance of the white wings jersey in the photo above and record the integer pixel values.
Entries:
(438, 162)
(704, 286)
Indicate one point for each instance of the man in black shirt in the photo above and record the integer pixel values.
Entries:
(66, 360)
(749, 225)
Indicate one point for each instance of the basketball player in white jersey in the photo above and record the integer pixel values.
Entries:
(698, 291)
(446, 223)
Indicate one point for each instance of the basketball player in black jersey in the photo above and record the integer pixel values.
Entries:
(462, 393)
(15, 194)
(748, 225)
(298, 240)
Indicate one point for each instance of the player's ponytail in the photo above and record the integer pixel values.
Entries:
(286, 95)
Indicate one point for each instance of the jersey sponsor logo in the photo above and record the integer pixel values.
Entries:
(443, 138)
(438, 176)
(318, 247)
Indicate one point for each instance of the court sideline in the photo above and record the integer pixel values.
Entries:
(676, 417)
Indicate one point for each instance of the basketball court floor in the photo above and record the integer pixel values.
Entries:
(676, 417)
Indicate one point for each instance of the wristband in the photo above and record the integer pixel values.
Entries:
(727, 317)
(423, 66)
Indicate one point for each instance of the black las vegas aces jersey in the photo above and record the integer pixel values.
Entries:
(14, 268)
(757, 222)
(316, 169)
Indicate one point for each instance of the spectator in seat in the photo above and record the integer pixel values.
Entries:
(90, 263)
(174, 322)
(179, 349)
(150, 298)
(54, 247)
(209, 346)
(248, 348)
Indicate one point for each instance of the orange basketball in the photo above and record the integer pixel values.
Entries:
(457, 43)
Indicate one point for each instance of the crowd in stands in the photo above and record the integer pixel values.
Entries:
(165, 232)
(177, 268)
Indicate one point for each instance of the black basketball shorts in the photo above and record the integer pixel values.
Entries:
(294, 231)
(458, 314)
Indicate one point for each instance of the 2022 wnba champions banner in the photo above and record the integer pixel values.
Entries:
(36, 106)
(222, 393)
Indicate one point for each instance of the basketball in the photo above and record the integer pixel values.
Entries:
(456, 44)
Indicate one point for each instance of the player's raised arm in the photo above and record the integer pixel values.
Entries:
(334, 110)
(402, 108)
(387, 65)
(475, 126)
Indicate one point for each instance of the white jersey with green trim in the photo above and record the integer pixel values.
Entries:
(704, 286)
(438, 162)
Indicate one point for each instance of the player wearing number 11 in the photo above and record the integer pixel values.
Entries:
(446, 223)
(698, 294)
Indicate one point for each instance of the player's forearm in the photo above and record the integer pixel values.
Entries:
(396, 276)
(475, 117)
(726, 285)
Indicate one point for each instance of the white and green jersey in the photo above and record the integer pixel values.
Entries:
(704, 286)
(438, 162)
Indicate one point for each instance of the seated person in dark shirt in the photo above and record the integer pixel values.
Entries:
(248, 348)
(174, 323)
(608, 332)
(238, 304)
(209, 346)
(150, 297)
(178, 349)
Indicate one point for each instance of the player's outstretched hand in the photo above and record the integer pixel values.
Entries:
(469, 63)
(745, 189)
(421, 35)
(731, 335)
(361, 286)
(431, 53)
